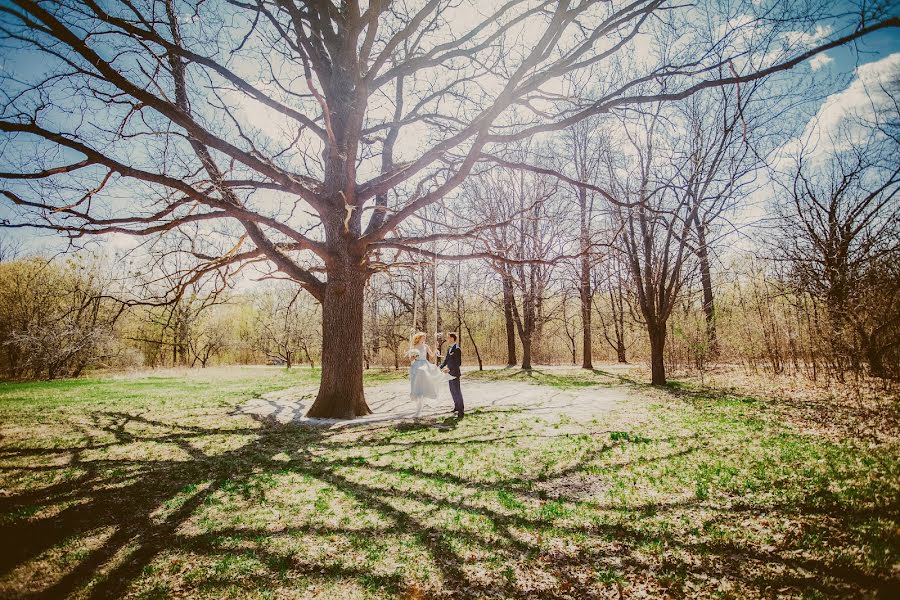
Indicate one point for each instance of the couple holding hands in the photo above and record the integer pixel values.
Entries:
(425, 376)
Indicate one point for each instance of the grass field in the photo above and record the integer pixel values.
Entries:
(148, 486)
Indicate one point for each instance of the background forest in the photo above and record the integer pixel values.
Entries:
(670, 239)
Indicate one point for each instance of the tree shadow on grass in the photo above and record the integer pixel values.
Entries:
(567, 380)
(476, 537)
(622, 379)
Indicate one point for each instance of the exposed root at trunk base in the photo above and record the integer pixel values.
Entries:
(337, 406)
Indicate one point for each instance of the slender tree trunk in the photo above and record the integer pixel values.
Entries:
(657, 353)
(474, 346)
(80, 367)
(525, 322)
(526, 352)
(341, 390)
(620, 351)
(618, 318)
(587, 361)
(709, 308)
(584, 288)
(873, 355)
(508, 299)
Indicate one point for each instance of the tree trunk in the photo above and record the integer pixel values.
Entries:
(657, 354)
(511, 359)
(526, 352)
(874, 355)
(709, 308)
(525, 324)
(620, 351)
(341, 390)
(586, 344)
(79, 368)
(474, 346)
(584, 288)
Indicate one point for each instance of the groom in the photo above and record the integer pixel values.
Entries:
(451, 365)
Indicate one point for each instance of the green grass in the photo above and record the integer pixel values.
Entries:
(208, 388)
(150, 487)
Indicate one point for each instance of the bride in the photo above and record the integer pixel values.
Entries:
(424, 376)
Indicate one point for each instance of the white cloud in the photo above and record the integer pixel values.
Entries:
(820, 60)
(834, 126)
(861, 99)
(808, 39)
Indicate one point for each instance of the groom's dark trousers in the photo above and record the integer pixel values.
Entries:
(453, 362)
(456, 393)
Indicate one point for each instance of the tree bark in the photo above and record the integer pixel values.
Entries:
(874, 355)
(79, 368)
(474, 346)
(584, 289)
(511, 359)
(709, 308)
(525, 322)
(341, 389)
(657, 356)
(586, 344)
(620, 352)
(526, 352)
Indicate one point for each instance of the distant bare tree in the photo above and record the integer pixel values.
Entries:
(10, 249)
(841, 239)
(286, 325)
(716, 164)
(612, 286)
(392, 313)
(570, 326)
(655, 230)
(532, 241)
(211, 336)
(585, 147)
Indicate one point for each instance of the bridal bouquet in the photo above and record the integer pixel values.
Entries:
(413, 354)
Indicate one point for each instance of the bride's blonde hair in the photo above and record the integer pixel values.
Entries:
(418, 337)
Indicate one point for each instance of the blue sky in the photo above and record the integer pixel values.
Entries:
(868, 49)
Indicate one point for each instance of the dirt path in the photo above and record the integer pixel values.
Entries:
(390, 402)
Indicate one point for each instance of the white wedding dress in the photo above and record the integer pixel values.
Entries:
(424, 378)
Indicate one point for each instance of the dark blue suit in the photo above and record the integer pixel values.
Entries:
(453, 361)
